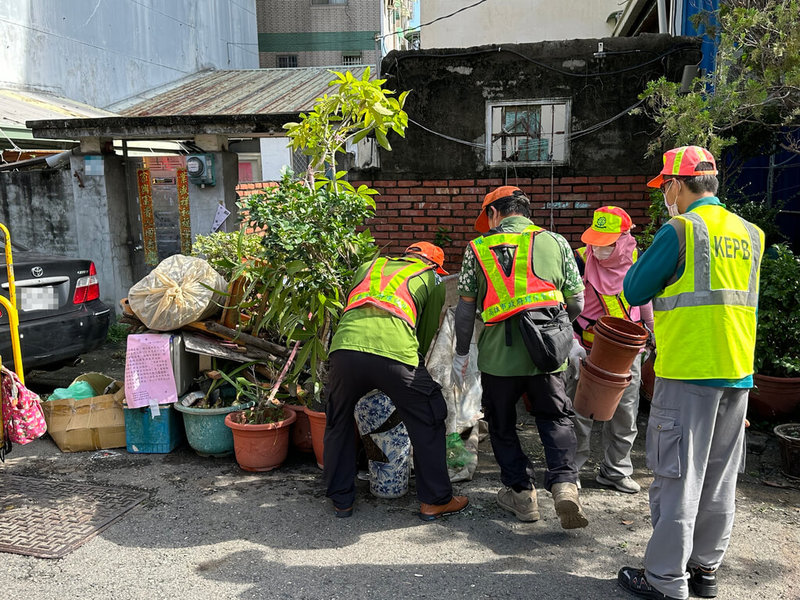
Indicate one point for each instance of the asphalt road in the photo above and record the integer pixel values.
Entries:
(211, 530)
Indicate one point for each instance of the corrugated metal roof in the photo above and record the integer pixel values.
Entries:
(18, 106)
(243, 92)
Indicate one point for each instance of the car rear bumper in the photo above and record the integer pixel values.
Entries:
(60, 337)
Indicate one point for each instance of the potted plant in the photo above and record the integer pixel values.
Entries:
(204, 421)
(777, 353)
(313, 235)
(261, 432)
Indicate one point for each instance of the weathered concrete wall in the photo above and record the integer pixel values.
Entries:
(450, 90)
(102, 225)
(203, 201)
(102, 52)
(517, 21)
(38, 208)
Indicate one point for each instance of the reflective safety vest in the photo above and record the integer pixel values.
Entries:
(614, 305)
(705, 320)
(521, 289)
(389, 292)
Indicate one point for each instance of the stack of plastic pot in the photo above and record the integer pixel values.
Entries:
(606, 372)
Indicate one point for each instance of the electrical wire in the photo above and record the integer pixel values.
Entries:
(497, 49)
(462, 9)
(571, 136)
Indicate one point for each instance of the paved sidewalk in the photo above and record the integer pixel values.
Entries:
(210, 530)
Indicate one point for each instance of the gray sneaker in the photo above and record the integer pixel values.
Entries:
(523, 503)
(625, 484)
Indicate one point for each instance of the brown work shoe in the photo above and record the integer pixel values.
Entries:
(431, 512)
(568, 506)
(523, 503)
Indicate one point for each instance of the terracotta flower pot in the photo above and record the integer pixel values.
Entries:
(611, 354)
(598, 393)
(261, 447)
(317, 420)
(300, 437)
(622, 330)
(774, 396)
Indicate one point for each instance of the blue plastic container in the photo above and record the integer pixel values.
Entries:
(145, 434)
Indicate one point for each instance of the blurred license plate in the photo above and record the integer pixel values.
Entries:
(37, 298)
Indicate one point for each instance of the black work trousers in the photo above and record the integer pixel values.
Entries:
(552, 409)
(416, 396)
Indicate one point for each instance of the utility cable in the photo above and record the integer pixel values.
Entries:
(422, 54)
(462, 9)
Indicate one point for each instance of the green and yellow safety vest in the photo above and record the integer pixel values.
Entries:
(705, 320)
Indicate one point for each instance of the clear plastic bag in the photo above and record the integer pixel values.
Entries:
(180, 290)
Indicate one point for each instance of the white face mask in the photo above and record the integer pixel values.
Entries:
(672, 209)
(603, 252)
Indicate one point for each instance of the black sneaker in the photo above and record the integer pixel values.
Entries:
(633, 580)
(703, 582)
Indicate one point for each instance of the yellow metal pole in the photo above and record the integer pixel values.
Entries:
(10, 305)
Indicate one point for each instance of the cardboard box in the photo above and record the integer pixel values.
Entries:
(88, 424)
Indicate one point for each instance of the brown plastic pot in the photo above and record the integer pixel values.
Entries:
(774, 396)
(300, 437)
(612, 355)
(622, 330)
(317, 421)
(261, 447)
(598, 393)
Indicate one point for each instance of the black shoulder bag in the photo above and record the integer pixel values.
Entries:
(547, 334)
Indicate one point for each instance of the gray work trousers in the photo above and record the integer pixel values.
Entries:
(618, 434)
(695, 448)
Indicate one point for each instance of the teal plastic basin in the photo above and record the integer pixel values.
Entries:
(206, 431)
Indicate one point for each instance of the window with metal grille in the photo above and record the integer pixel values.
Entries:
(287, 60)
(527, 132)
(299, 162)
(351, 58)
(314, 2)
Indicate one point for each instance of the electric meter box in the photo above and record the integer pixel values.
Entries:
(200, 168)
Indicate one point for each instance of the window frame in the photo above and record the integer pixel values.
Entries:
(278, 58)
(492, 104)
(359, 55)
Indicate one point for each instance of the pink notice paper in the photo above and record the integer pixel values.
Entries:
(149, 379)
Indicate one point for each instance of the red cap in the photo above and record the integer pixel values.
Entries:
(608, 223)
(681, 162)
(482, 222)
(430, 251)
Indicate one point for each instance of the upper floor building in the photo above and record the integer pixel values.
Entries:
(314, 33)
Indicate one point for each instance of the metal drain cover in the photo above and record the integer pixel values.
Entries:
(49, 519)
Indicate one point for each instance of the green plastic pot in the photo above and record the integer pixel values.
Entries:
(206, 431)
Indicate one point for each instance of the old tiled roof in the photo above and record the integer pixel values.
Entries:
(242, 92)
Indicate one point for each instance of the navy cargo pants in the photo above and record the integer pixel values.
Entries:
(552, 409)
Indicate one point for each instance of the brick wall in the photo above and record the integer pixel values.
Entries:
(409, 210)
(247, 189)
(415, 210)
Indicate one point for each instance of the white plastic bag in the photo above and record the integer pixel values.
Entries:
(463, 404)
(180, 290)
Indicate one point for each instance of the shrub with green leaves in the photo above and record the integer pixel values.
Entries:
(778, 335)
(225, 250)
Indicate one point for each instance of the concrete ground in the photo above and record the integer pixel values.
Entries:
(211, 530)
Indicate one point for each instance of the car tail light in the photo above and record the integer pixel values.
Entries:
(87, 288)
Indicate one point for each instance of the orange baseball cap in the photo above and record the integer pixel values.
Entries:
(608, 223)
(482, 222)
(430, 251)
(681, 162)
